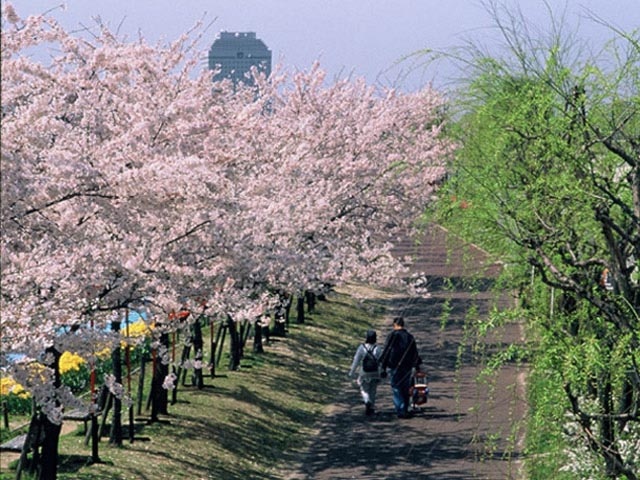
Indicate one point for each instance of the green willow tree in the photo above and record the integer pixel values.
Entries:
(547, 177)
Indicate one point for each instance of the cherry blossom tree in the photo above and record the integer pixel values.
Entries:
(129, 178)
(342, 171)
(326, 176)
(99, 160)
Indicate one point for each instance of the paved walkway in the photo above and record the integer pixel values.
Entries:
(470, 428)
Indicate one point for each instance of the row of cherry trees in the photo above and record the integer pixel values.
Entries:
(128, 178)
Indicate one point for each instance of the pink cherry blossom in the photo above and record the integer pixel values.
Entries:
(130, 179)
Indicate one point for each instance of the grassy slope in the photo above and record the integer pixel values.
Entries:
(247, 424)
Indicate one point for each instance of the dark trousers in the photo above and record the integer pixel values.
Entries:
(400, 384)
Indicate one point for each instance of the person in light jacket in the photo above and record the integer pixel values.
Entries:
(366, 363)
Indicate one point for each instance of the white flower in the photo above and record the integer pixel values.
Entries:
(169, 382)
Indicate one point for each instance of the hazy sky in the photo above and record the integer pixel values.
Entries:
(360, 37)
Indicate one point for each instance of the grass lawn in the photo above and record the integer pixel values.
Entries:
(247, 424)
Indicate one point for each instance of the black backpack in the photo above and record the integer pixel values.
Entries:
(369, 362)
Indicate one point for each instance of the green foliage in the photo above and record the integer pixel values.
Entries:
(545, 439)
(512, 353)
(17, 404)
(547, 178)
(445, 314)
(76, 380)
(496, 318)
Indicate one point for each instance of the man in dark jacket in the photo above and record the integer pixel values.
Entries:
(400, 356)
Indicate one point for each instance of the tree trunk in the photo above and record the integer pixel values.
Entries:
(234, 344)
(115, 435)
(159, 395)
(242, 337)
(212, 348)
(613, 461)
(222, 335)
(257, 337)
(49, 458)
(286, 300)
(311, 301)
(198, 347)
(279, 324)
(281, 315)
(182, 372)
(300, 309)
(95, 439)
(164, 371)
(127, 361)
(176, 372)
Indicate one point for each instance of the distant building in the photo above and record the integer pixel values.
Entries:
(234, 53)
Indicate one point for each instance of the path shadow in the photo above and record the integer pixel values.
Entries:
(465, 431)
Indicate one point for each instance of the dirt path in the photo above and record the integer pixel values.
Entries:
(469, 429)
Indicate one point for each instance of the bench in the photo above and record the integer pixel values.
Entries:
(15, 444)
(23, 444)
(83, 416)
(78, 415)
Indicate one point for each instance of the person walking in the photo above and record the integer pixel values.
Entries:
(366, 361)
(400, 356)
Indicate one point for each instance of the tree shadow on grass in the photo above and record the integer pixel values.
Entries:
(72, 463)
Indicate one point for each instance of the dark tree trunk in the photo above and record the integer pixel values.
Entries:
(95, 439)
(286, 301)
(176, 372)
(35, 436)
(311, 301)
(279, 326)
(164, 370)
(626, 402)
(127, 361)
(212, 348)
(182, 372)
(300, 309)
(257, 337)
(613, 460)
(280, 318)
(49, 458)
(198, 347)
(243, 333)
(115, 435)
(156, 388)
(159, 395)
(108, 404)
(235, 345)
(281, 315)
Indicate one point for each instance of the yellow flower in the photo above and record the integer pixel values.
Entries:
(104, 353)
(36, 372)
(8, 385)
(70, 361)
(138, 329)
(20, 391)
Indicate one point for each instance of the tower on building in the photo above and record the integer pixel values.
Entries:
(234, 53)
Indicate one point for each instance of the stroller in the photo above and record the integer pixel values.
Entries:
(419, 390)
